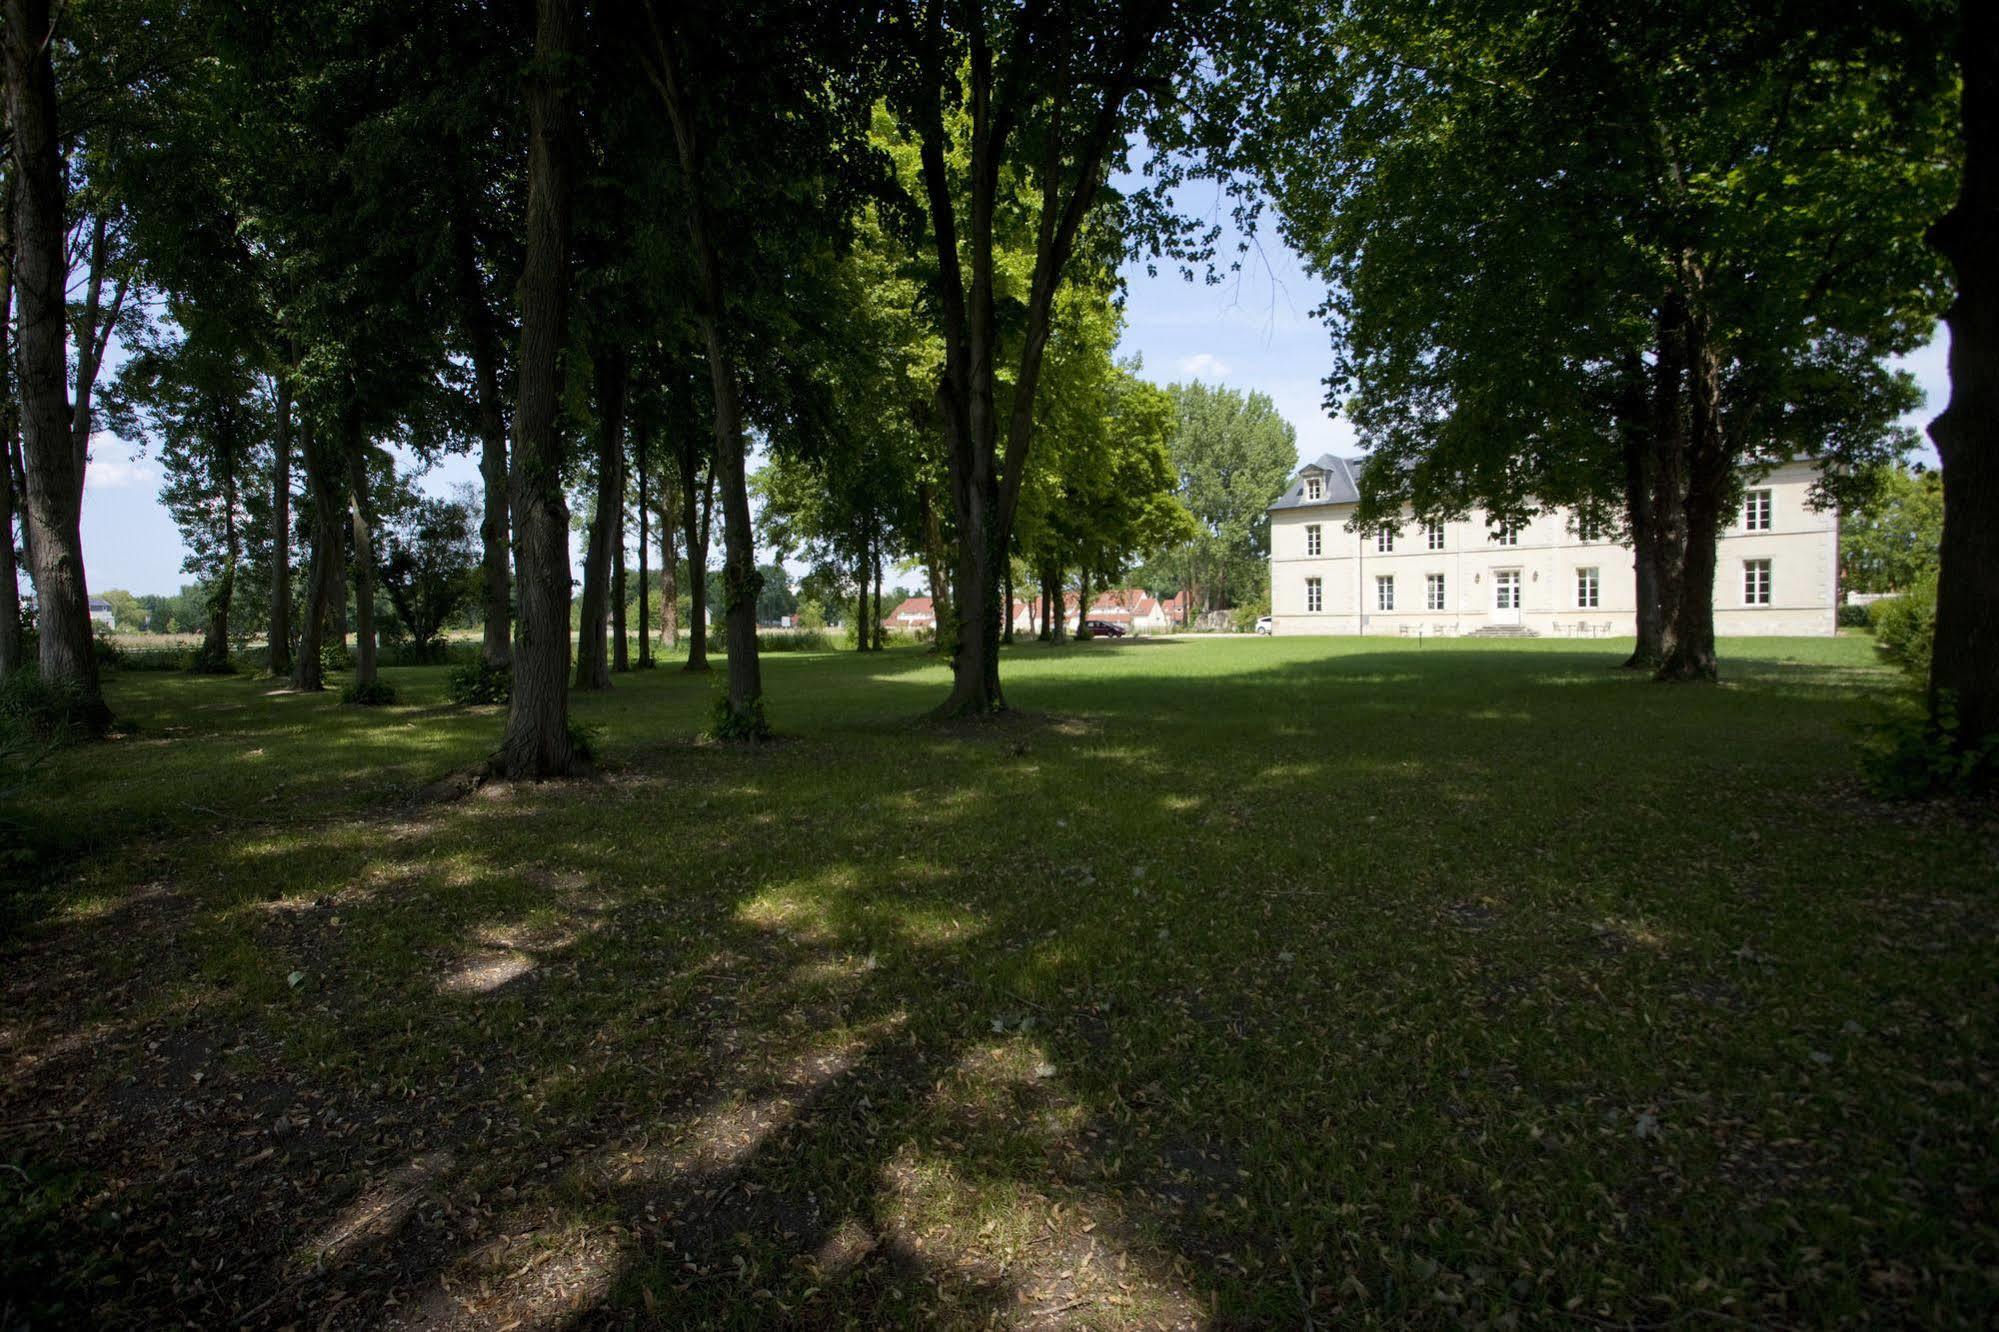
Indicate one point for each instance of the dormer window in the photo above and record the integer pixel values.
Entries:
(1313, 488)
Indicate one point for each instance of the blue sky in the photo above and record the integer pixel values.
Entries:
(1253, 330)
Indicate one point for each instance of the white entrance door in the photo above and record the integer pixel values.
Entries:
(1506, 596)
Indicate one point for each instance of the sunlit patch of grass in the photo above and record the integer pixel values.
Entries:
(1255, 982)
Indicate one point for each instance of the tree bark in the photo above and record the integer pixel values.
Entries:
(482, 339)
(861, 634)
(645, 540)
(537, 743)
(936, 562)
(1964, 667)
(669, 566)
(743, 716)
(10, 444)
(279, 636)
(364, 556)
(593, 669)
(1709, 484)
(52, 462)
(323, 573)
(1006, 606)
(696, 511)
(875, 620)
(215, 641)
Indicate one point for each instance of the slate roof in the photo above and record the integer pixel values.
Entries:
(1342, 483)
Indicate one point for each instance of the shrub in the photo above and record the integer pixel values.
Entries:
(749, 724)
(583, 739)
(334, 656)
(203, 662)
(109, 654)
(1851, 616)
(377, 694)
(1247, 615)
(782, 640)
(32, 710)
(154, 659)
(1905, 627)
(479, 681)
(1911, 757)
(797, 640)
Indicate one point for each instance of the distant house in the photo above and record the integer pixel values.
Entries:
(101, 613)
(914, 614)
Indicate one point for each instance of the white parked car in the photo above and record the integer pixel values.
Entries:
(1263, 624)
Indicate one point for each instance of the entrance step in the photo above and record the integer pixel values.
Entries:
(1502, 631)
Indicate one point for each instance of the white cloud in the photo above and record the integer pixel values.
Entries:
(109, 471)
(1203, 364)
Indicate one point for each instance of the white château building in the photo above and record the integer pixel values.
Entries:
(1778, 569)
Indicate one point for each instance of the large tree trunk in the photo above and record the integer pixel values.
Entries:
(1709, 487)
(1006, 606)
(1964, 668)
(215, 640)
(537, 742)
(495, 582)
(10, 443)
(53, 462)
(1657, 449)
(861, 634)
(645, 579)
(364, 558)
(936, 562)
(280, 626)
(669, 565)
(742, 708)
(323, 572)
(875, 620)
(697, 508)
(593, 668)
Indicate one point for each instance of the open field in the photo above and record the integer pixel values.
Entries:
(1235, 983)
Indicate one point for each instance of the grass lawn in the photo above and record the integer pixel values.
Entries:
(1236, 983)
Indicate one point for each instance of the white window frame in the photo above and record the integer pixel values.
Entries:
(1505, 534)
(1589, 587)
(1315, 596)
(1758, 509)
(1384, 592)
(1433, 532)
(1756, 582)
(1384, 541)
(1435, 596)
(1314, 540)
(1313, 488)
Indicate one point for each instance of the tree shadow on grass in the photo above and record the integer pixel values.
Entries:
(1332, 987)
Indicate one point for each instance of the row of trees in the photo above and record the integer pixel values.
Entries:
(1599, 257)
(606, 248)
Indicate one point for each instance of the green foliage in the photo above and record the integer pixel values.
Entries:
(730, 724)
(1249, 613)
(584, 740)
(1850, 616)
(155, 659)
(202, 662)
(479, 682)
(1914, 757)
(1232, 456)
(333, 656)
(36, 712)
(1905, 627)
(375, 694)
(811, 615)
(1890, 542)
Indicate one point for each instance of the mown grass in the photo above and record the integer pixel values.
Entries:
(1240, 982)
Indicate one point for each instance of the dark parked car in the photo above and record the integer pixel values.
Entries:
(1105, 629)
